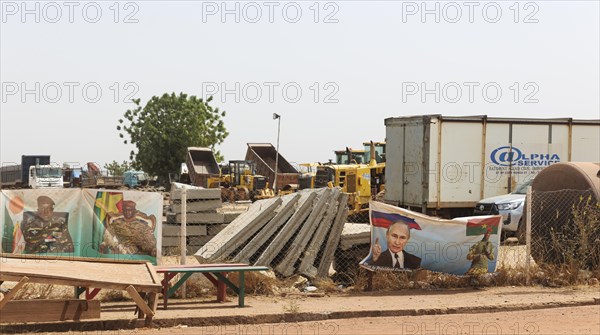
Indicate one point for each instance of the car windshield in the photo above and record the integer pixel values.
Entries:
(522, 189)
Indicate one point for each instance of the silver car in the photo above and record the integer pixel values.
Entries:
(509, 206)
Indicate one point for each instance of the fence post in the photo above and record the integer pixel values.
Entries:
(183, 234)
(528, 201)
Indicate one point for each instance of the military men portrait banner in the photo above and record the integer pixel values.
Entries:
(82, 223)
(403, 240)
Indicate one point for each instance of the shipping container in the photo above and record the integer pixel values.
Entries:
(263, 155)
(443, 165)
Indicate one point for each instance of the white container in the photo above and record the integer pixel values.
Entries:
(443, 165)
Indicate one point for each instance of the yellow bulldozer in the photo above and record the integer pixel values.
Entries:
(239, 181)
(361, 181)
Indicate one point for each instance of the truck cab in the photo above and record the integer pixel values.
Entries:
(45, 176)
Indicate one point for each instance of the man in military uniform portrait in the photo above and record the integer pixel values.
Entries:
(480, 254)
(45, 230)
(130, 232)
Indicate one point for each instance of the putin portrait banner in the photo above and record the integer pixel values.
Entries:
(403, 240)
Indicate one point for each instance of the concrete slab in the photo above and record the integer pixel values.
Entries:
(238, 231)
(196, 205)
(214, 218)
(316, 243)
(333, 238)
(284, 212)
(197, 193)
(286, 266)
(305, 205)
(175, 230)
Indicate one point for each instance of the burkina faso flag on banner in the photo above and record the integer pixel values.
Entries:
(482, 226)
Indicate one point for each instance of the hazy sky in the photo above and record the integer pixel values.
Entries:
(334, 70)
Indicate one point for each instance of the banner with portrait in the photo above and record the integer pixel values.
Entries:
(81, 223)
(404, 240)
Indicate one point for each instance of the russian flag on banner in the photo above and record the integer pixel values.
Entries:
(384, 220)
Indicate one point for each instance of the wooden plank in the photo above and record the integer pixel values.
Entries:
(52, 258)
(22, 311)
(168, 268)
(8, 297)
(106, 274)
(139, 301)
(152, 272)
(214, 269)
(152, 303)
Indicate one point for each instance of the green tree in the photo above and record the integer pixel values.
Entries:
(164, 128)
(117, 169)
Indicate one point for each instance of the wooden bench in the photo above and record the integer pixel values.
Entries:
(216, 273)
(138, 278)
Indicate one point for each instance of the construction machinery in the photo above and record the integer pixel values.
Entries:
(306, 177)
(239, 181)
(361, 181)
(93, 177)
(202, 166)
(351, 156)
(265, 157)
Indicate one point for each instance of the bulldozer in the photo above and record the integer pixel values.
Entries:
(361, 181)
(239, 181)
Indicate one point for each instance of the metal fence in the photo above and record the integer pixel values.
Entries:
(565, 228)
(564, 231)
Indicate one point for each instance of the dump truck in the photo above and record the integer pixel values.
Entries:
(202, 165)
(264, 156)
(93, 177)
(443, 165)
(35, 171)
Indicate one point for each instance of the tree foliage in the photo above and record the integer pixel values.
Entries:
(166, 126)
(118, 169)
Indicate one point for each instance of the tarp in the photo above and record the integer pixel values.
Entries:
(82, 223)
(403, 240)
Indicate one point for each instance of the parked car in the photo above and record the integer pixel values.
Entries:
(510, 207)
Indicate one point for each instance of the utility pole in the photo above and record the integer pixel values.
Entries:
(278, 117)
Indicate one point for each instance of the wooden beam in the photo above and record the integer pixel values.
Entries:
(139, 301)
(8, 297)
(49, 310)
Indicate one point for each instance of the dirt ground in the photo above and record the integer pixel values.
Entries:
(500, 310)
(569, 320)
(574, 320)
